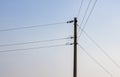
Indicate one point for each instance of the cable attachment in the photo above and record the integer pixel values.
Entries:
(72, 43)
(71, 37)
(70, 21)
(69, 43)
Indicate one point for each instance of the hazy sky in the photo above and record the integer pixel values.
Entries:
(103, 26)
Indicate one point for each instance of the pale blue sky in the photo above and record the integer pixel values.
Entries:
(103, 26)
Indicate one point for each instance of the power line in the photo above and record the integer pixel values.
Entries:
(87, 18)
(28, 27)
(96, 61)
(80, 8)
(86, 11)
(50, 46)
(30, 42)
(104, 52)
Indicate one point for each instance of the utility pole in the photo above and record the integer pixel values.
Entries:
(75, 49)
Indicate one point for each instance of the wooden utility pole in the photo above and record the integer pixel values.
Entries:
(75, 49)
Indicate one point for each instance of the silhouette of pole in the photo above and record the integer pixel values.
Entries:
(75, 49)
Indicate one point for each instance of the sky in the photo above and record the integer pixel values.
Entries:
(103, 27)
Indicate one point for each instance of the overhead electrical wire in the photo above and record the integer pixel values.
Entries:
(80, 8)
(84, 25)
(102, 50)
(96, 61)
(32, 48)
(28, 27)
(30, 42)
(86, 11)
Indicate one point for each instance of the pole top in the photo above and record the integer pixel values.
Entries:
(75, 19)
